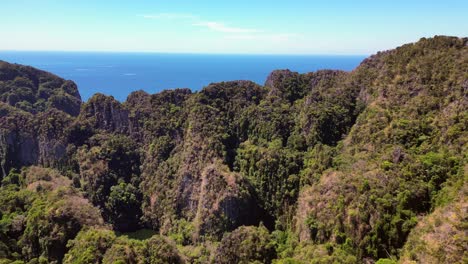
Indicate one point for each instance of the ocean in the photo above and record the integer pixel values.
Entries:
(118, 74)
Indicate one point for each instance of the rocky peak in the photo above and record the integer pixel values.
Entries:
(285, 84)
(106, 113)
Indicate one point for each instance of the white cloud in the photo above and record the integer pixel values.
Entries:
(230, 32)
(214, 26)
(221, 27)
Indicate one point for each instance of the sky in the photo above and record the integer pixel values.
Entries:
(358, 27)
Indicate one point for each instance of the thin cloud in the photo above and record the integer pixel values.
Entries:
(221, 27)
(168, 16)
(241, 37)
(234, 33)
(265, 37)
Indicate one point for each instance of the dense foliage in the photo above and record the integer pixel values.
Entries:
(35, 91)
(367, 166)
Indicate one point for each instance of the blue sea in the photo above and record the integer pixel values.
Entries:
(118, 74)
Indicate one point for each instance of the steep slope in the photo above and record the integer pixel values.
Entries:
(35, 108)
(440, 237)
(407, 143)
(190, 180)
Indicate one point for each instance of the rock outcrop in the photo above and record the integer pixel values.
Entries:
(106, 113)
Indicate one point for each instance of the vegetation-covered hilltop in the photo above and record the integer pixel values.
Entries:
(325, 167)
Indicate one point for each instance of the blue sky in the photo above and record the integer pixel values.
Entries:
(240, 26)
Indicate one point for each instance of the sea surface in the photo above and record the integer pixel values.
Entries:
(118, 74)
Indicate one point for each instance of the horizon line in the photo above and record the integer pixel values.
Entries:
(191, 53)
